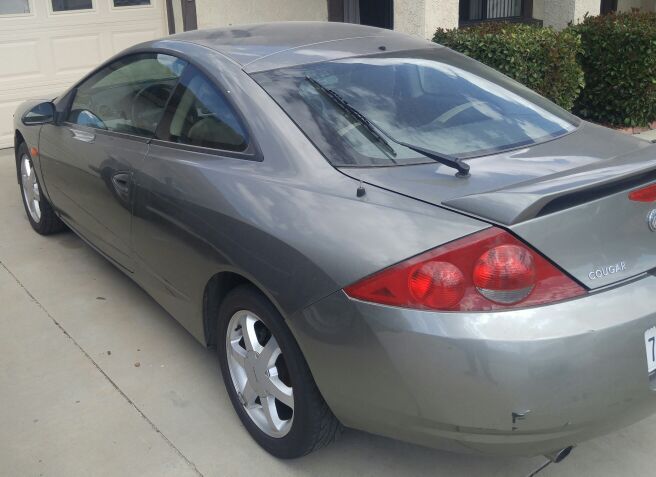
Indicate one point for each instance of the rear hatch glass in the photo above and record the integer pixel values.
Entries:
(432, 98)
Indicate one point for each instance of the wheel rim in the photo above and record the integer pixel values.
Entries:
(30, 187)
(259, 374)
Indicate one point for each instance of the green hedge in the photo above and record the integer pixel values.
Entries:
(543, 59)
(619, 61)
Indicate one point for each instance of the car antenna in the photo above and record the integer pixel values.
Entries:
(361, 190)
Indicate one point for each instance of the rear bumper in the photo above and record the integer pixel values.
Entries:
(521, 382)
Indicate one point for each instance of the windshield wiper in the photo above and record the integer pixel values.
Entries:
(374, 129)
(345, 106)
(447, 160)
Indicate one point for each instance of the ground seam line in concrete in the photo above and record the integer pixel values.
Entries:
(88, 356)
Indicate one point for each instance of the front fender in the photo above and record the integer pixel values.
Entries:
(30, 136)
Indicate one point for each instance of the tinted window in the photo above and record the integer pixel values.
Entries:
(432, 98)
(10, 7)
(130, 3)
(203, 117)
(66, 5)
(129, 95)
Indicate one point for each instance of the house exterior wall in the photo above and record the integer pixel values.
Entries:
(440, 13)
(409, 17)
(415, 17)
(558, 13)
(216, 13)
(642, 5)
(423, 17)
(538, 9)
(177, 17)
(583, 7)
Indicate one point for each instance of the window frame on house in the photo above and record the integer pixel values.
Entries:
(64, 8)
(525, 15)
(130, 4)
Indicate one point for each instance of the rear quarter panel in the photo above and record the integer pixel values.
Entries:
(289, 221)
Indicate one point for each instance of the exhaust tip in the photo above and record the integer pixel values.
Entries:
(553, 458)
(560, 455)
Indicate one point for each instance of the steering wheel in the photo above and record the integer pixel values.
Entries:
(147, 106)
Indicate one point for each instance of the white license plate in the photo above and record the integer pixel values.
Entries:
(650, 348)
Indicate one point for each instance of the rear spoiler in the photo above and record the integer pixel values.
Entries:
(525, 201)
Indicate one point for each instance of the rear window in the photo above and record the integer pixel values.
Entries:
(432, 98)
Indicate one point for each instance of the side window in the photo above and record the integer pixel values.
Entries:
(66, 5)
(203, 117)
(129, 95)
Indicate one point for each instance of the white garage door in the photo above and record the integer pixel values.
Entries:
(45, 45)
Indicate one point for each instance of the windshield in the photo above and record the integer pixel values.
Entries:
(433, 98)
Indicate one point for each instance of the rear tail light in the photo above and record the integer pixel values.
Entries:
(644, 194)
(505, 274)
(488, 270)
(437, 284)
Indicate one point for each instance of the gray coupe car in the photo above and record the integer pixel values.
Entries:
(373, 230)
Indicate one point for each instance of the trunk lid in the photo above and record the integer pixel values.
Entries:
(568, 198)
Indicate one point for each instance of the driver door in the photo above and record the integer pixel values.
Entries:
(88, 161)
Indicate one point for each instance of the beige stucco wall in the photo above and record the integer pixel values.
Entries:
(642, 5)
(423, 17)
(409, 16)
(558, 13)
(177, 17)
(214, 13)
(538, 9)
(583, 7)
(440, 13)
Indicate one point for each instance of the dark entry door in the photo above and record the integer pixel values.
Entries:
(189, 21)
(608, 6)
(378, 13)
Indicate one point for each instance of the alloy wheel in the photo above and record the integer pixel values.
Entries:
(30, 186)
(259, 374)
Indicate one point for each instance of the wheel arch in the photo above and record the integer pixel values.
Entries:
(216, 289)
(18, 140)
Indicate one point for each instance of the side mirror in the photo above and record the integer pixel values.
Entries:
(84, 117)
(42, 113)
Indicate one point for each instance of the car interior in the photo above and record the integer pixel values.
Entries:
(115, 99)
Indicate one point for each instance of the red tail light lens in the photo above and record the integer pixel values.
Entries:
(488, 270)
(437, 284)
(505, 274)
(644, 194)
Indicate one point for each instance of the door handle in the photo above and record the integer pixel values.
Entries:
(121, 184)
(83, 136)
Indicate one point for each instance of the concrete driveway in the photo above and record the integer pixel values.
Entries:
(96, 379)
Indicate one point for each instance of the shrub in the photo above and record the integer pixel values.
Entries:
(619, 61)
(543, 59)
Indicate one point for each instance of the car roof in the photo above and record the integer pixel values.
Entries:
(265, 46)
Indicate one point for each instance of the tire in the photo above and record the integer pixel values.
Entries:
(42, 217)
(311, 425)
